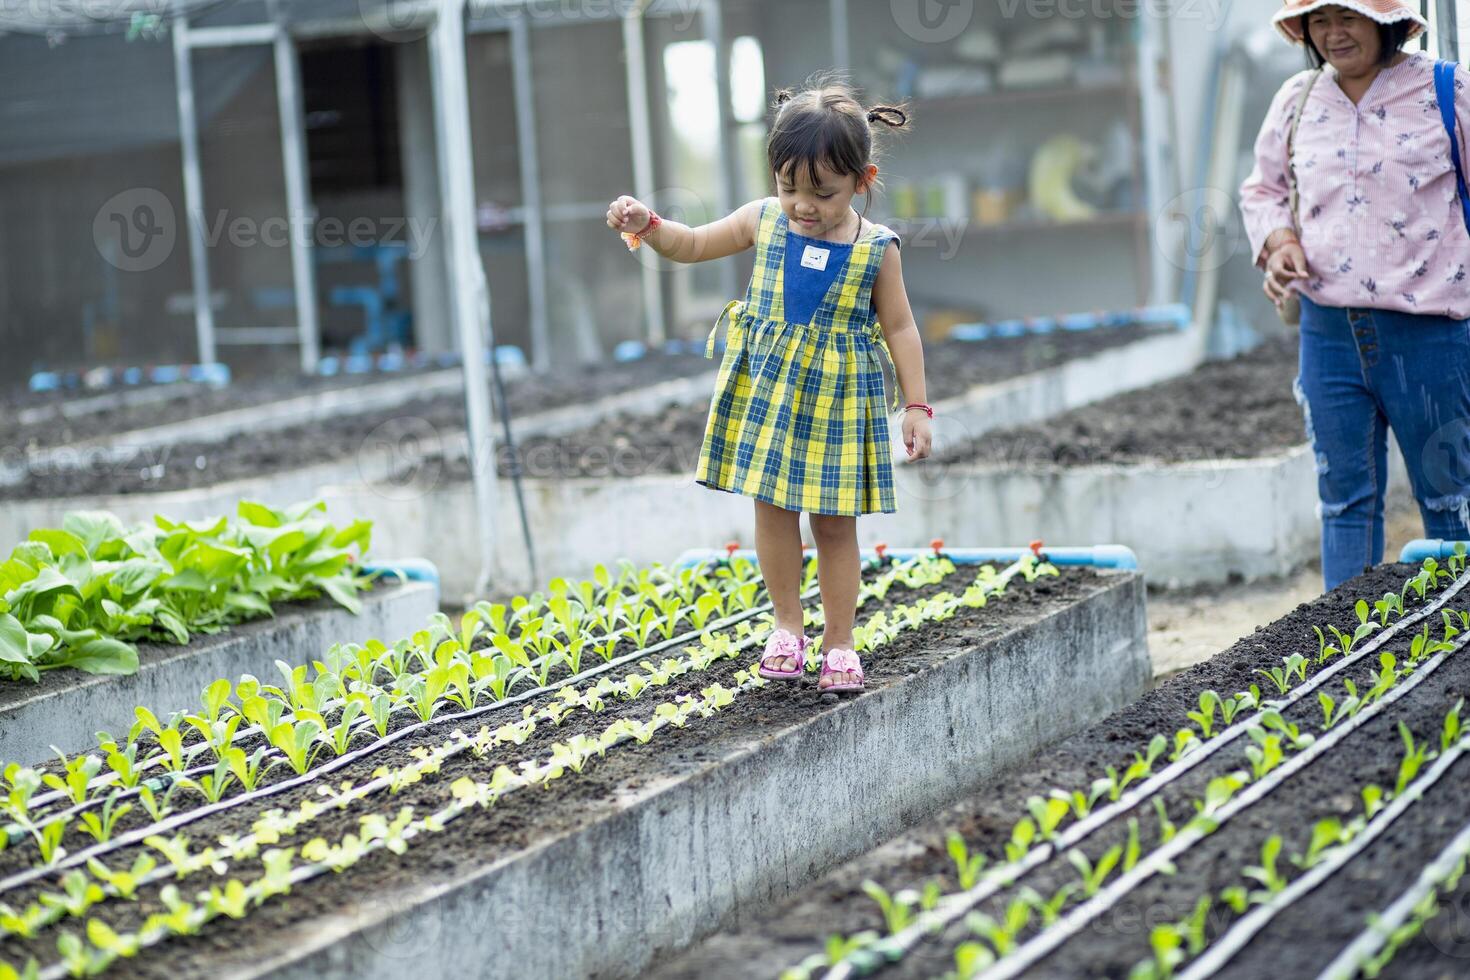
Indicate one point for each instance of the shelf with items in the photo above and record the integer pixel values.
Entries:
(1024, 126)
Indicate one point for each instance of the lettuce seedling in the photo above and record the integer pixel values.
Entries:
(1266, 754)
(297, 743)
(898, 909)
(1167, 830)
(1205, 716)
(1093, 875)
(77, 895)
(100, 824)
(1325, 650)
(1048, 814)
(1266, 872)
(1273, 721)
(1325, 834)
(123, 762)
(157, 808)
(967, 866)
(1050, 909)
(1450, 733)
(1184, 743)
(1022, 836)
(78, 773)
(246, 770)
(1415, 755)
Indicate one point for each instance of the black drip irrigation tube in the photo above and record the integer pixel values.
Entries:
(515, 465)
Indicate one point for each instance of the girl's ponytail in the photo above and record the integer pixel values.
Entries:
(892, 116)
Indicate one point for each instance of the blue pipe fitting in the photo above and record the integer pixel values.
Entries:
(1097, 556)
(1421, 548)
(404, 569)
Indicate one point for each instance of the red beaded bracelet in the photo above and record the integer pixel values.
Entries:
(927, 410)
(636, 241)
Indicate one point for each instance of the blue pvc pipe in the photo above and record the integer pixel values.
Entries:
(1421, 548)
(405, 569)
(1098, 556)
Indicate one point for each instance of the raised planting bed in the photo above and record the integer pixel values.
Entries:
(1243, 819)
(567, 821)
(95, 598)
(202, 415)
(1207, 477)
(641, 467)
(67, 708)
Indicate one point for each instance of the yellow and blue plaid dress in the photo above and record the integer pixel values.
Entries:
(799, 419)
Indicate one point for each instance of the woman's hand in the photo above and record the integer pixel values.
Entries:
(1286, 264)
(628, 215)
(918, 437)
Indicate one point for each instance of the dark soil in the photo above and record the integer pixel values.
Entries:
(522, 819)
(788, 933)
(1236, 409)
(627, 445)
(414, 436)
(527, 394)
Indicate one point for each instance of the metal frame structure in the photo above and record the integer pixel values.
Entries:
(471, 292)
(186, 40)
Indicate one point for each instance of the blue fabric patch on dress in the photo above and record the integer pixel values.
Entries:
(806, 287)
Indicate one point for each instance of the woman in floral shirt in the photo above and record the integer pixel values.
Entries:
(1382, 265)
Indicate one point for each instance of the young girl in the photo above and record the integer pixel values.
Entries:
(798, 421)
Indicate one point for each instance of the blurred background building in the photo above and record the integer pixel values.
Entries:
(261, 182)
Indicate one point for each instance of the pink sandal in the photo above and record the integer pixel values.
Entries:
(838, 662)
(783, 643)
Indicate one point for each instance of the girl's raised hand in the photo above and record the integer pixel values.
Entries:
(628, 215)
(918, 437)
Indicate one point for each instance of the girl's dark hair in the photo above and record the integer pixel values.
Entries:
(825, 124)
(1391, 37)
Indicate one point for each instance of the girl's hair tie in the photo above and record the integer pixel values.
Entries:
(889, 115)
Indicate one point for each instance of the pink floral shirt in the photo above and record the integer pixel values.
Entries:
(1380, 218)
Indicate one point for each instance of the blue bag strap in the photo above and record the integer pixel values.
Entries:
(1444, 86)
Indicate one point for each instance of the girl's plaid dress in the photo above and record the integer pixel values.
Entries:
(799, 418)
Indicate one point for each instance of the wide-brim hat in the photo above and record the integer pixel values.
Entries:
(1291, 22)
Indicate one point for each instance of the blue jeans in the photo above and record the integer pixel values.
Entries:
(1363, 372)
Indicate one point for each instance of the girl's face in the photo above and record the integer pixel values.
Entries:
(822, 209)
(1346, 39)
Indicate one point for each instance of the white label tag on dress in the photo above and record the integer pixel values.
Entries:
(815, 258)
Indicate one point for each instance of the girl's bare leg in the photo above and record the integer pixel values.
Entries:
(778, 547)
(839, 570)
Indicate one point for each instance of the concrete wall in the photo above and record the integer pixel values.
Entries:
(683, 854)
(171, 678)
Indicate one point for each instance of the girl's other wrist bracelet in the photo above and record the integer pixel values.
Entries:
(921, 406)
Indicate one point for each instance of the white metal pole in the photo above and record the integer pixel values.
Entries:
(841, 38)
(298, 192)
(1448, 26)
(641, 130)
(1153, 125)
(466, 278)
(193, 191)
(712, 12)
(530, 162)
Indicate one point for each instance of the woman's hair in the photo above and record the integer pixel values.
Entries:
(1391, 37)
(825, 124)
